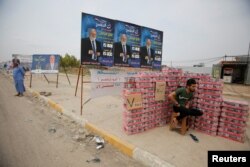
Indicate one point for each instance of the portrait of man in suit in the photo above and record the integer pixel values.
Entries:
(90, 48)
(52, 65)
(122, 51)
(147, 54)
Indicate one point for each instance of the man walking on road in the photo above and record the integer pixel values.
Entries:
(18, 76)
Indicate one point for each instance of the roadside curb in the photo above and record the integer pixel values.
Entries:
(126, 148)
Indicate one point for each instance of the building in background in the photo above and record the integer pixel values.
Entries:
(233, 69)
(199, 65)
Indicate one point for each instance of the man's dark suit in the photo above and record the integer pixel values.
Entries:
(117, 53)
(48, 66)
(86, 47)
(144, 53)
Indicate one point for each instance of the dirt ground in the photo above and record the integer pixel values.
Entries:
(237, 88)
(237, 92)
(33, 135)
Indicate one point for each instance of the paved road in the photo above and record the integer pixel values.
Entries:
(33, 135)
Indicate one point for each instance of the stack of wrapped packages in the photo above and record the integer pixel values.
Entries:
(146, 104)
(173, 77)
(151, 110)
(233, 120)
(209, 101)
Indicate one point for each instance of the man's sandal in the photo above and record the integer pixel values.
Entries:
(194, 138)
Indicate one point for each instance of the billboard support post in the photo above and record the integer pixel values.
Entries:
(57, 80)
(82, 91)
(30, 79)
(46, 78)
(79, 71)
(66, 75)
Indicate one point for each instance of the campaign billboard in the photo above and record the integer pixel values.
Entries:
(127, 44)
(97, 40)
(151, 56)
(110, 42)
(45, 63)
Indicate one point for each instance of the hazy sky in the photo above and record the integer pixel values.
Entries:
(194, 30)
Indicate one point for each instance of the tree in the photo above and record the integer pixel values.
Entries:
(69, 61)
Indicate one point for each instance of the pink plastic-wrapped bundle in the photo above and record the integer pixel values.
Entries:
(138, 122)
(210, 86)
(209, 119)
(209, 101)
(202, 125)
(233, 120)
(232, 136)
(144, 84)
(210, 97)
(210, 92)
(206, 130)
(143, 79)
(191, 122)
(209, 108)
(241, 105)
(213, 103)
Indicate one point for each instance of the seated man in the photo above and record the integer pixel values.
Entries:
(181, 100)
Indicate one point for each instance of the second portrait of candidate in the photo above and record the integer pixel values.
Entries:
(122, 51)
(147, 54)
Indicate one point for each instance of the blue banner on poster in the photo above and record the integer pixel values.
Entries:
(45, 63)
(97, 40)
(127, 44)
(151, 48)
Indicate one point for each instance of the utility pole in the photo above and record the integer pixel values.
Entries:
(248, 67)
(248, 55)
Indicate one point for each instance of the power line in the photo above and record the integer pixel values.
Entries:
(195, 60)
(212, 60)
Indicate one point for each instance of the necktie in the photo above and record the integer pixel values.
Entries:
(93, 47)
(94, 50)
(149, 52)
(124, 52)
(124, 49)
(149, 56)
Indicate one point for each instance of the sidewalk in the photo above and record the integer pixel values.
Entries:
(155, 147)
(242, 95)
